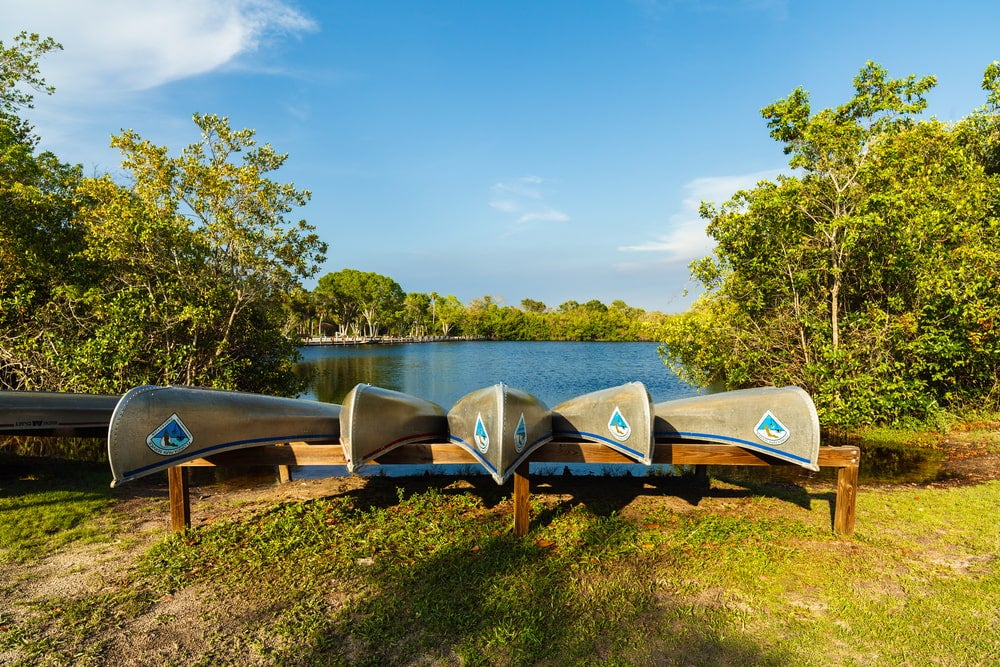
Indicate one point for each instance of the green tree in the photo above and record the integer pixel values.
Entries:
(19, 76)
(450, 314)
(416, 314)
(845, 278)
(187, 269)
(533, 306)
(361, 299)
(337, 295)
(37, 237)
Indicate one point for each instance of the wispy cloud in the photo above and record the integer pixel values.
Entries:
(120, 46)
(657, 8)
(685, 238)
(524, 199)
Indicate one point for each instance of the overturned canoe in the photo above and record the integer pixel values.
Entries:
(154, 428)
(375, 420)
(619, 417)
(500, 426)
(779, 421)
(45, 413)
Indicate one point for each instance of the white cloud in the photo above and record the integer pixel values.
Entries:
(524, 199)
(685, 238)
(118, 46)
(546, 214)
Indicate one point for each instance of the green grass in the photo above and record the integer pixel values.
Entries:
(48, 503)
(437, 578)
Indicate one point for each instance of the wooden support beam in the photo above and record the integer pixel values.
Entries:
(845, 510)
(522, 500)
(300, 454)
(180, 500)
(700, 455)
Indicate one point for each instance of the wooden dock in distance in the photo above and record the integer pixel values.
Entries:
(845, 458)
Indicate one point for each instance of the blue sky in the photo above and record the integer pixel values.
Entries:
(547, 150)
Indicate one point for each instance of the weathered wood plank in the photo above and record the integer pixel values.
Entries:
(554, 452)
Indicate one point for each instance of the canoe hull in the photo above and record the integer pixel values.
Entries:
(619, 417)
(44, 413)
(500, 426)
(154, 428)
(778, 421)
(374, 421)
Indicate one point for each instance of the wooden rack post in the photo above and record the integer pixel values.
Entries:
(180, 501)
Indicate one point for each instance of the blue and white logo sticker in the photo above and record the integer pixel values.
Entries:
(520, 435)
(171, 437)
(618, 427)
(480, 435)
(770, 430)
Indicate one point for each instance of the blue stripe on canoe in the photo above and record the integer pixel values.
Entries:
(472, 449)
(529, 450)
(201, 453)
(739, 441)
(614, 444)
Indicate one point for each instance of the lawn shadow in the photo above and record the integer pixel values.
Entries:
(26, 475)
(608, 495)
(490, 598)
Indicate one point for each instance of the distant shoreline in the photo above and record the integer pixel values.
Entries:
(313, 341)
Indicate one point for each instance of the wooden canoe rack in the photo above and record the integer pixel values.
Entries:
(845, 458)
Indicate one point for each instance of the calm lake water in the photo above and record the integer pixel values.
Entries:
(444, 372)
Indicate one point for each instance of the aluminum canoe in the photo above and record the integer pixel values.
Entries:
(154, 428)
(779, 421)
(374, 421)
(618, 417)
(500, 426)
(44, 413)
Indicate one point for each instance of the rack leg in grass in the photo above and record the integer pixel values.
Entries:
(180, 502)
(522, 497)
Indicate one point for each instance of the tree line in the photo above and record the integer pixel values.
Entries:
(352, 303)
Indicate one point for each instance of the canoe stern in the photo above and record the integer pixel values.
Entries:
(375, 421)
(618, 417)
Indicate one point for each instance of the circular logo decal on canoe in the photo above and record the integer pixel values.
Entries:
(171, 437)
(480, 435)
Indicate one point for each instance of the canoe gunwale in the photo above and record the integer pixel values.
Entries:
(682, 437)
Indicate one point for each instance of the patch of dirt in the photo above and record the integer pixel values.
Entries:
(971, 458)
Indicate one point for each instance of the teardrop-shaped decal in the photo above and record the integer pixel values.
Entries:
(618, 427)
(520, 435)
(481, 436)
